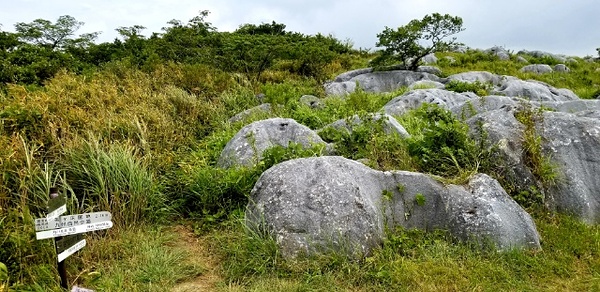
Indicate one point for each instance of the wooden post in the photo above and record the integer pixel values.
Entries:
(62, 270)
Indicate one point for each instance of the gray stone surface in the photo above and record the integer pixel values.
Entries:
(561, 68)
(487, 214)
(430, 59)
(480, 76)
(537, 68)
(390, 124)
(311, 101)
(382, 81)
(478, 105)
(247, 146)
(339, 88)
(571, 106)
(499, 52)
(520, 59)
(426, 84)
(415, 98)
(350, 74)
(430, 69)
(533, 90)
(264, 109)
(503, 130)
(316, 204)
(574, 144)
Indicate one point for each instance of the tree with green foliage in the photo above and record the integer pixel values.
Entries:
(56, 35)
(406, 43)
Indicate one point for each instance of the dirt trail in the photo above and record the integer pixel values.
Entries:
(200, 252)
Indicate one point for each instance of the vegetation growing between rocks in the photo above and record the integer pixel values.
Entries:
(136, 126)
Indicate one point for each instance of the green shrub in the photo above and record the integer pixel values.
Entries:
(441, 144)
(477, 87)
(540, 163)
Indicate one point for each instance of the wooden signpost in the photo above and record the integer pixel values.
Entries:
(68, 230)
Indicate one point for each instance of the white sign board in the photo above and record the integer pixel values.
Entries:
(73, 230)
(80, 289)
(42, 224)
(61, 210)
(71, 250)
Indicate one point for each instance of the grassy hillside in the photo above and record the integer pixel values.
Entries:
(143, 143)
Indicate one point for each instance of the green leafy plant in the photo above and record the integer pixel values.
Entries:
(539, 163)
(477, 87)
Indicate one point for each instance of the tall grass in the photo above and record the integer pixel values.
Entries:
(114, 178)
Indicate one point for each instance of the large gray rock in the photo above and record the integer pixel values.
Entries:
(430, 69)
(247, 146)
(561, 68)
(499, 52)
(487, 214)
(505, 131)
(542, 54)
(264, 110)
(479, 76)
(478, 105)
(534, 90)
(537, 68)
(390, 124)
(350, 74)
(311, 101)
(573, 142)
(426, 84)
(339, 88)
(415, 98)
(430, 59)
(520, 59)
(316, 204)
(571, 106)
(383, 81)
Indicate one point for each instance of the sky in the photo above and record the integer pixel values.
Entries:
(569, 27)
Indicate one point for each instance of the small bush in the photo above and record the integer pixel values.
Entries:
(479, 88)
(441, 144)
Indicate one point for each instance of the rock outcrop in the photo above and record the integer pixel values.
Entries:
(573, 143)
(415, 98)
(312, 205)
(247, 146)
(383, 81)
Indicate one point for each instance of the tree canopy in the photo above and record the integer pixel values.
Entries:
(410, 43)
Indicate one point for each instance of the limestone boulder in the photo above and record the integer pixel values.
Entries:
(573, 143)
(506, 132)
(415, 98)
(389, 123)
(561, 68)
(318, 204)
(533, 90)
(381, 81)
(481, 104)
(479, 76)
(426, 84)
(430, 59)
(430, 69)
(264, 109)
(484, 212)
(311, 101)
(247, 146)
(312, 205)
(537, 68)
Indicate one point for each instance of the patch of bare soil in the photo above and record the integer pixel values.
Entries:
(200, 252)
